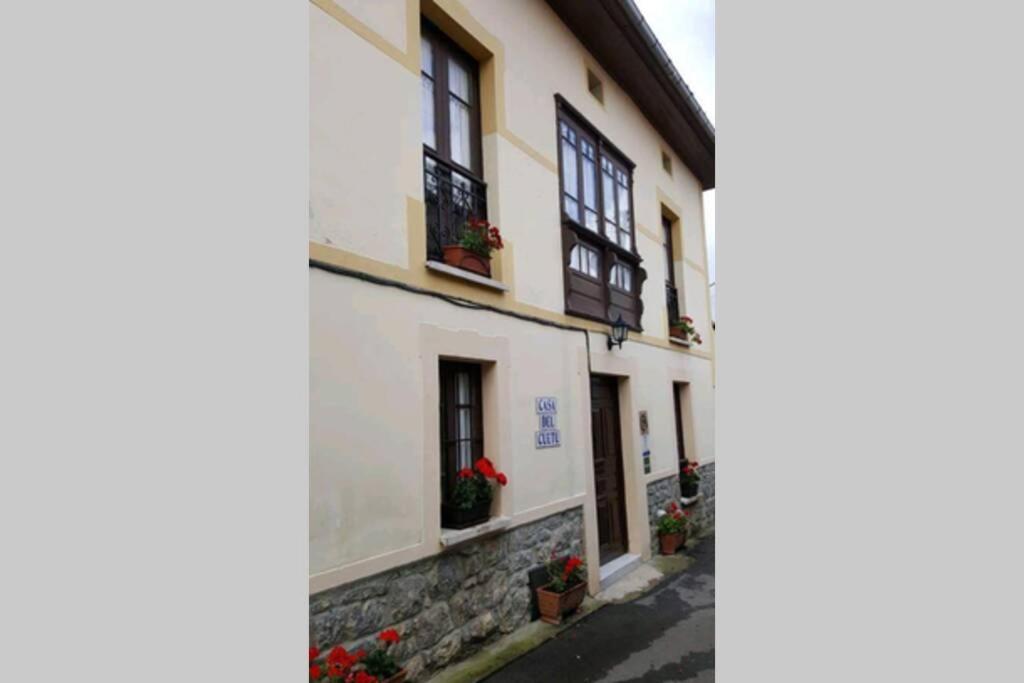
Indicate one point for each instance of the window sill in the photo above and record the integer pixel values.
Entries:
(452, 537)
(461, 274)
(681, 342)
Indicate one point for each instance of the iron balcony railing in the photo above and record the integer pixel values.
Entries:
(451, 196)
(672, 299)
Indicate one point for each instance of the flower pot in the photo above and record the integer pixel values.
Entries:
(555, 606)
(689, 489)
(397, 678)
(459, 518)
(457, 256)
(670, 543)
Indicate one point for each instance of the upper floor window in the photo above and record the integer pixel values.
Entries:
(453, 182)
(603, 275)
(672, 298)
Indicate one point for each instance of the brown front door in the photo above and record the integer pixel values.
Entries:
(611, 494)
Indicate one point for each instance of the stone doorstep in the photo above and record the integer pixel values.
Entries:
(496, 655)
(617, 569)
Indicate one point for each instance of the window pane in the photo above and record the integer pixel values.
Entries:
(571, 207)
(462, 395)
(427, 99)
(590, 219)
(625, 240)
(623, 206)
(464, 455)
(589, 176)
(459, 115)
(570, 184)
(594, 268)
(426, 56)
(609, 197)
(458, 80)
(574, 258)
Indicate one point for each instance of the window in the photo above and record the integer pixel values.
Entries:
(622, 277)
(462, 436)
(671, 293)
(594, 86)
(597, 223)
(666, 163)
(452, 160)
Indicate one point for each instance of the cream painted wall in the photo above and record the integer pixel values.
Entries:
(365, 153)
(368, 414)
(385, 17)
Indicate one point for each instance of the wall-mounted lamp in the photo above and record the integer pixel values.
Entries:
(619, 333)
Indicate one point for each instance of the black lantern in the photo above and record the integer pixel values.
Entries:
(619, 333)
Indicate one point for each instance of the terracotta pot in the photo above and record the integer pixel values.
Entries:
(457, 518)
(457, 256)
(555, 606)
(670, 543)
(397, 678)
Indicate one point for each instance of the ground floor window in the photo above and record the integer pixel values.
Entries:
(462, 432)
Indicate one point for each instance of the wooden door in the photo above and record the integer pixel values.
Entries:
(608, 479)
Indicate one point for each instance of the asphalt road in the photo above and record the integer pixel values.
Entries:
(666, 635)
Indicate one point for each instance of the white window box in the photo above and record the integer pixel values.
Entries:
(461, 274)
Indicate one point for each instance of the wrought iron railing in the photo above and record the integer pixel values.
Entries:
(451, 197)
(672, 299)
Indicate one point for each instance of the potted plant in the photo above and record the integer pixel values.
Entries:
(472, 495)
(473, 250)
(565, 592)
(377, 666)
(380, 663)
(689, 480)
(673, 523)
(684, 329)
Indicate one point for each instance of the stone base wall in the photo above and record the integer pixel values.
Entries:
(659, 494)
(448, 606)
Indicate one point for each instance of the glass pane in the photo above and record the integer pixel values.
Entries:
(426, 56)
(594, 268)
(610, 230)
(570, 184)
(623, 206)
(458, 81)
(589, 183)
(464, 454)
(627, 279)
(459, 115)
(427, 100)
(462, 394)
(591, 219)
(625, 240)
(609, 198)
(574, 258)
(571, 207)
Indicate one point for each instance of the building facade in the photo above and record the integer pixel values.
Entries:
(563, 124)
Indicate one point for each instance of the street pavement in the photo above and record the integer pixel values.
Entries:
(664, 636)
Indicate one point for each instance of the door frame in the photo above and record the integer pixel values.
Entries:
(613, 383)
(625, 370)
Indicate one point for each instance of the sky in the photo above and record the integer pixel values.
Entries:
(686, 29)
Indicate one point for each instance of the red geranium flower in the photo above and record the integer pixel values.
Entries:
(502, 479)
(363, 677)
(389, 636)
(314, 672)
(465, 473)
(486, 468)
(313, 653)
(337, 655)
(335, 670)
(570, 566)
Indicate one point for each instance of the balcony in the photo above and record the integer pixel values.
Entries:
(451, 195)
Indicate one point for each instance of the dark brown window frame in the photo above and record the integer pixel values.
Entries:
(448, 372)
(449, 201)
(584, 297)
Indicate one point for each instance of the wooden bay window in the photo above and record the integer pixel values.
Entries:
(603, 277)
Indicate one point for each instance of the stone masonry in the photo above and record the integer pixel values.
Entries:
(448, 606)
(660, 492)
